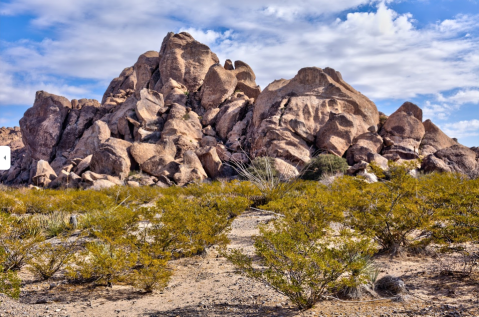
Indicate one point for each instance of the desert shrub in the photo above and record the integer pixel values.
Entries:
(49, 258)
(302, 258)
(54, 223)
(188, 225)
(152, 273)
(103, 262)
(388, 211)
(262, 175)
(18, 239)
(324, 164)
(456, 201)
(9, 281)
(263, 167)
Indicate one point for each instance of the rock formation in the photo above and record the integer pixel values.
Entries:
(177, 116)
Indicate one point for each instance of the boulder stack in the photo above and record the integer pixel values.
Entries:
(178, 116)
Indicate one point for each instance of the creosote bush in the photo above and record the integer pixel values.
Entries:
(320, 244)
(324, 164)
(301, 256)
(389, 211)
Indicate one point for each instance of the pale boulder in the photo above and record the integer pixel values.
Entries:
(112, 158)
(219, 84)
(210, 161)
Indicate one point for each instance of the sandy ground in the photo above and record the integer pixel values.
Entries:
(207, 286)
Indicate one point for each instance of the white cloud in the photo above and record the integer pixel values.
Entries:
(438, 111)
(462, 129)
(380, 53)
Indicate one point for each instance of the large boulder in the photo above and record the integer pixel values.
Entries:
(136, 77)
(185, 60)
(434, 139)
(42, 125)
(112, 158)
(43, 174)
(246, 80)
(288, 114)
(404, 127)
(337, 134)
(456, 158)
(126, 81)
(190, 170)
(218, 85)
(144, 68)
(91, 140)
(79, 119)
(210, 161)
(149, 106)
(174, 92)
(117, 120)
(364, 144)
(230, 113)
(183, 127)
(153, 157)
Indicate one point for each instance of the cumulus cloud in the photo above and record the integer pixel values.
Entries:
(381, 53)
(462, 129)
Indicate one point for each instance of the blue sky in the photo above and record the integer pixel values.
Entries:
(392, 51)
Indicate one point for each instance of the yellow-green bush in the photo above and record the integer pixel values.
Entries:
(301, 257)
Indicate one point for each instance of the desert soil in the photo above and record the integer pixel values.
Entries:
(208, 286)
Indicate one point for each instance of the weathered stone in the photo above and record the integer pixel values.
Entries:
(380, 160)
(83, 165)
(209, 117)
(91, 140)
(43, 174)
(148, 106)
(337, 134)
(363, 145)
(42, 125)
(229, 114)
(456, 158)
(208, 141)
(286, 171)
(434, 139)
(210, 161)
(112, 158)
(218, 85)
(405, 129)
(185, 60)
(288, 114)
(190, 171)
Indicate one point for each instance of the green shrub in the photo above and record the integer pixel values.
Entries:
(388, 211)
(9, 281)
(301, 258)
(324, 164)
(187, 226)
(18, 238)
(49, 258)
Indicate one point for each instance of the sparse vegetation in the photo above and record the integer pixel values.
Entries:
(324, 164)
(320, 244)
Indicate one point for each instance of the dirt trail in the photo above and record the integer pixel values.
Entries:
(207, 286)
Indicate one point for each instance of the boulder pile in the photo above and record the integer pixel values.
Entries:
(178, 115)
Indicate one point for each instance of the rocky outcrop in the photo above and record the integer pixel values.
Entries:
(112, 158)
(219, 84)
(185, 60)
(434, 139)
(42, 125)
(289, 114)
(456, 158)
(176, 116)
(364, 144)
(404, 130)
